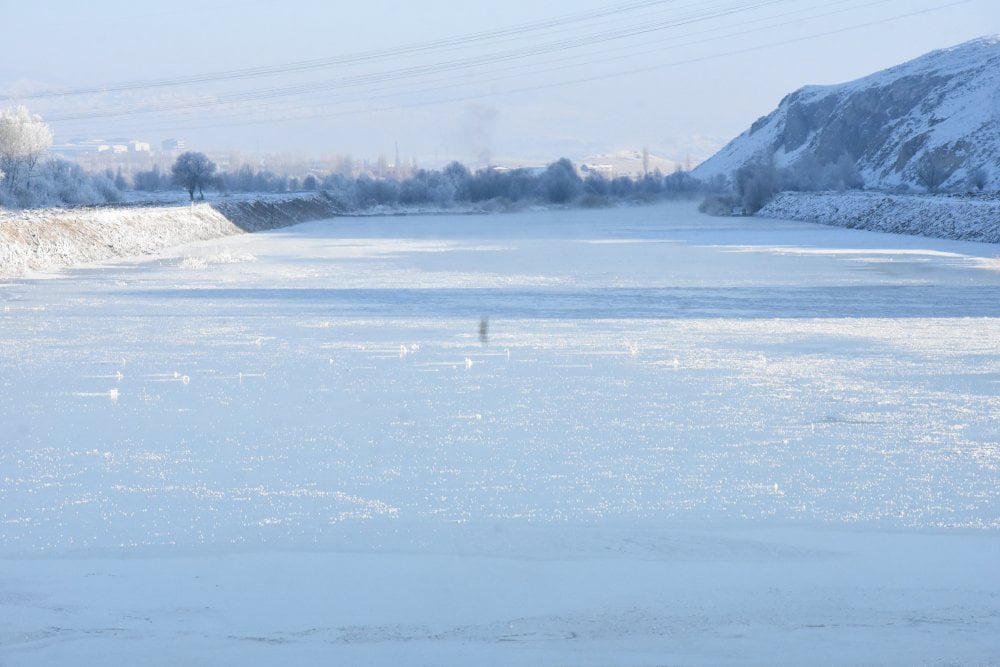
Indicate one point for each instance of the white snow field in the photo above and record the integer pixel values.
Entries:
(684, 441)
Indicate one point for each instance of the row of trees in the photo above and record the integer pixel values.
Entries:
(755, 183)
(244, 179)
(26, 179)
(559, 183)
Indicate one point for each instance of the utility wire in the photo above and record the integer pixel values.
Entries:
(516, 71)
(591, 79)
(349, 59)
(455, 65)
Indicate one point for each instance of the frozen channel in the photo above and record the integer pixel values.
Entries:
(636, 436)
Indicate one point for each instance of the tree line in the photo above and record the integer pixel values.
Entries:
(558, 183)
(28, 179)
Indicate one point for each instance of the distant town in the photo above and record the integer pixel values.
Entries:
(130, 156)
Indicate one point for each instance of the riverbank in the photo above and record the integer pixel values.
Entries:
(956, 217)
(41, 240)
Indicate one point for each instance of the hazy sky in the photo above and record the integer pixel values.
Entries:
(468, 80)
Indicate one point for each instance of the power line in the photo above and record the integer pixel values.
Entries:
(415, 71)
(557, 84)
(517, 71)
(349, 59)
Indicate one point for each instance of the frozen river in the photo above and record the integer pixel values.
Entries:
(618, 437)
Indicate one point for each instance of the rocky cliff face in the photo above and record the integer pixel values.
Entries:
(932, 122)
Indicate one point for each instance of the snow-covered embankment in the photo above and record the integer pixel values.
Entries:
(49, 239)
(965, 218)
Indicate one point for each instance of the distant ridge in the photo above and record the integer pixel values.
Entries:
(935, 117)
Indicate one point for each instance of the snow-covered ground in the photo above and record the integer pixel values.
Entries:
(48, 239)
(680, 440)
(958, 217)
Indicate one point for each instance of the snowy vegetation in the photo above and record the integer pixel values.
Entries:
(455, 185)
(756, 183)
(29, 181)
(193, 171)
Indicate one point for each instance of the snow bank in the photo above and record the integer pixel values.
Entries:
(49, 239)
(960, 217)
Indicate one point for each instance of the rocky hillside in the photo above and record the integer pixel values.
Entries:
(930, 123)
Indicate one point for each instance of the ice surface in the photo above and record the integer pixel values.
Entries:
(685, 440)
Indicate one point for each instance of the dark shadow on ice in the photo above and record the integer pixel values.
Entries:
(609, 303)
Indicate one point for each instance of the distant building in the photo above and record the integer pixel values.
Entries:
(173, 145)
(82, 147)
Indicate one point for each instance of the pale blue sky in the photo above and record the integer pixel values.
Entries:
(673, 88)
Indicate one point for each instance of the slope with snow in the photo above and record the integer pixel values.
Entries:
(49, 239)
(959, 217)
(945, 105)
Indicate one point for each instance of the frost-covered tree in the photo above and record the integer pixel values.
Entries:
(121, 183)
(193, 171)
(151, 181)
(846, 175)
(936, 167)
(62, 183)
(978, 178)
(756, 183)
(24, 138)
(560, 182)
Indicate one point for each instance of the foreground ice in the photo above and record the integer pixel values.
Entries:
(682, 440)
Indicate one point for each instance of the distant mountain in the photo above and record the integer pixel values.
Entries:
(931, 122)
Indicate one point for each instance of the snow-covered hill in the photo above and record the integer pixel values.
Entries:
(939, 113)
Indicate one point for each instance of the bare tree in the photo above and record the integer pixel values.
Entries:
(935, 167)
(978, 178)
(756, 183)
(24, 138)
(193, 171)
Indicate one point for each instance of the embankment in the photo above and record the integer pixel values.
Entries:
(958, 217)
(49, 239)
